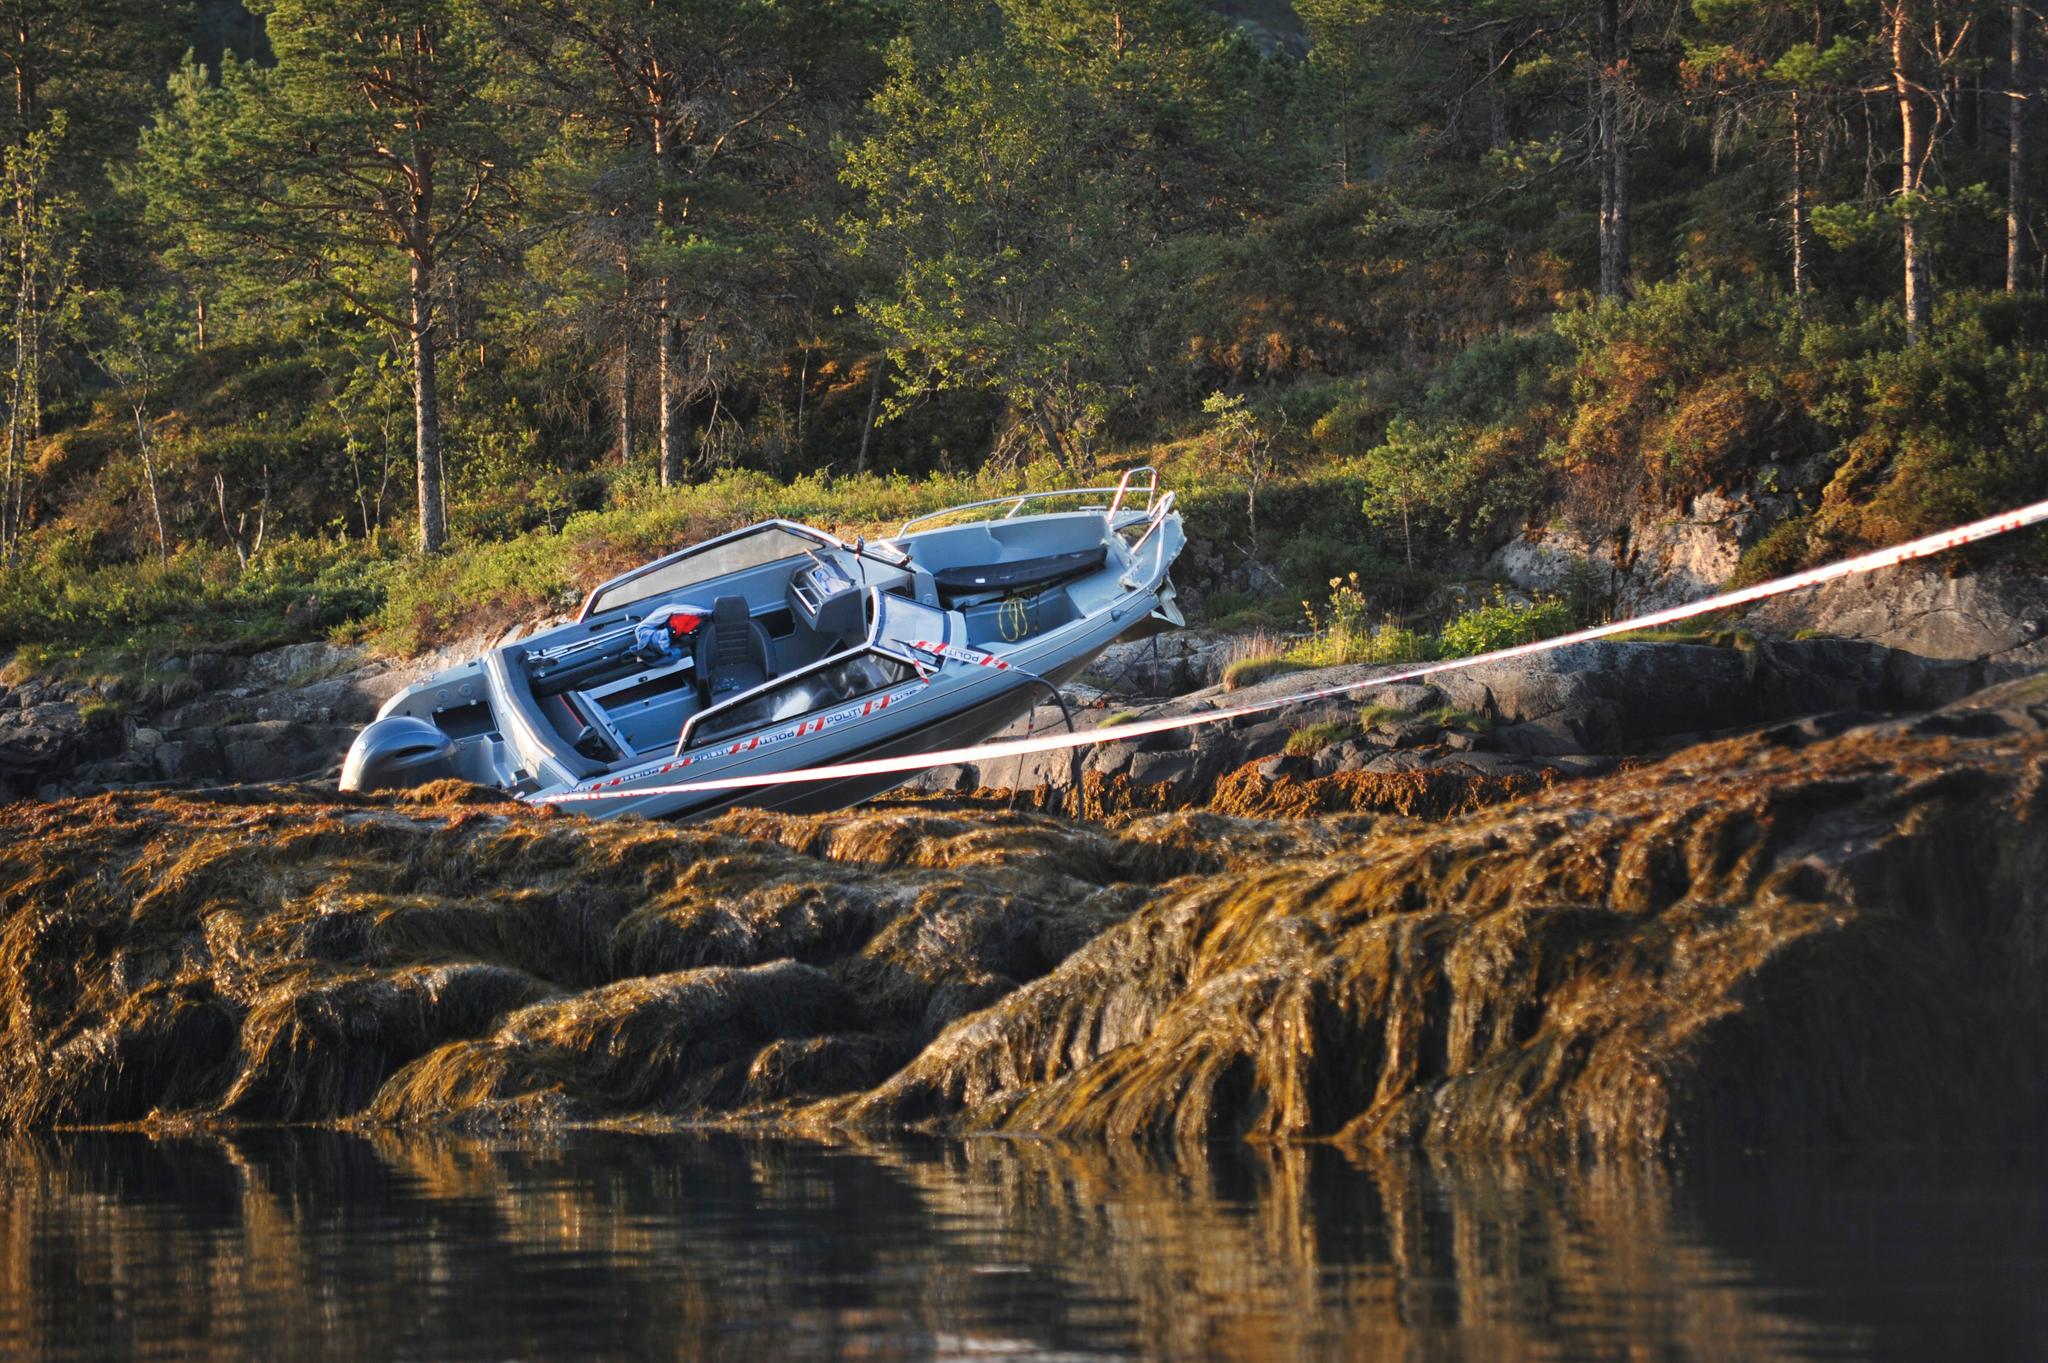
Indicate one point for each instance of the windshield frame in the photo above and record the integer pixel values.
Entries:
(818, 538)
(686, 738)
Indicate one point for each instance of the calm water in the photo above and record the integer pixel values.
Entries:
(309, 1245)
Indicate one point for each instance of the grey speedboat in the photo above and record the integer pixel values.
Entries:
(780, 647)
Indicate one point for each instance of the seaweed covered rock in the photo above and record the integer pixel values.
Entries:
(1831, 931)
(1781, 939)
(446, 955)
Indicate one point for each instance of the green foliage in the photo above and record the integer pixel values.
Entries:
(1693, 385)
(1339, 296)
(1026, 262)
(1250, 671)
(1461, 456)
(1501, 623)
(1783, 550)
(1699, 630)
(101, 713)
(200, 597)
(1343, 630)
(1457, 719)
(1312, 739)
(1386, 642)
(1936, 433)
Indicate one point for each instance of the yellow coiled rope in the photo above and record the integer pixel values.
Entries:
(1013, 619)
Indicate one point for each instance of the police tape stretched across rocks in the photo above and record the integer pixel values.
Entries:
(1924, 547)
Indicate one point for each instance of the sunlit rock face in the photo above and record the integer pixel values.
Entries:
(1795, 937)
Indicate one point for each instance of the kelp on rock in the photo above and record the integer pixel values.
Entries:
(1790, 937)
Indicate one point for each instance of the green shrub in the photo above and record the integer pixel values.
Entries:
(1502, 623)
(1783, 550)
(1386, 642)
(101, 713)
(1700, 630)
(1341, 631)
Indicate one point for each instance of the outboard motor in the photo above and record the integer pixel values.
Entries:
(398, 752)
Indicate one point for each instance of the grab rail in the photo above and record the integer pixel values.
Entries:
(1123, 487)
(1154, 521)
(1016, 501)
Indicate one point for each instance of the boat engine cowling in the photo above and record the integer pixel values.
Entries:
(396, 752)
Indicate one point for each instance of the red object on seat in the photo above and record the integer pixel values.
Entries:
(680, 624)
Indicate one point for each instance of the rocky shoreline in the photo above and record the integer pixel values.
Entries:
(1576, 712)
(289, 714)
(204, 718)
(1619, 897)
(1823, 931)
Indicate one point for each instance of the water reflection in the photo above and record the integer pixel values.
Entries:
(311, 1244)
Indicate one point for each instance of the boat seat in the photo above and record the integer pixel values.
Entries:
(1017, 575)
(732, 651)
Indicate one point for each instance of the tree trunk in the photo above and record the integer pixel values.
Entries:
(1049, 430)
(427, 411)
(156, 506)
(671, 426)
(670, 422)
(1613, 161)
(867, 429)
(2016, 151)
(1965, 90)
(1913, 151)
(1496, 104)
(1799, 281)
(25, 412)
(9, 528)
(803, 391)
(22, 378)
(627, 395)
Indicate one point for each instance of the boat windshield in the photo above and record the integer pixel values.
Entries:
(755, 548)
(845, 677)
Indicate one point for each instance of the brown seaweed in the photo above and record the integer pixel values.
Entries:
(1775, 939)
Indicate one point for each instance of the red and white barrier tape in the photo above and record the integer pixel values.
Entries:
(1924, 547)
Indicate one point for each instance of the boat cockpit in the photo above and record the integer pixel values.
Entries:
(772, 623)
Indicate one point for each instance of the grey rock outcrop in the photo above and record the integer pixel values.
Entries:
(1998, 617)
(37, 737)
(1169, 664)
(286, 714)
(1571, 712)
(1664, 559)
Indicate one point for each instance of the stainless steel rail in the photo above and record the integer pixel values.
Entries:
(1017, 501)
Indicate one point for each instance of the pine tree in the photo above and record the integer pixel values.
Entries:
(671, 121)
(370, 161)
(1039, 185)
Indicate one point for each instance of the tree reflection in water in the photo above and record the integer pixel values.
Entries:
(313, 1244)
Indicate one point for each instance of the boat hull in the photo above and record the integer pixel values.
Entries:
(936, 643)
